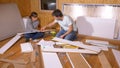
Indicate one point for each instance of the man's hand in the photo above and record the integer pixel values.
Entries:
(62, 36)
(43, 29)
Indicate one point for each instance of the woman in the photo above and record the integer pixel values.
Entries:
(31, 28)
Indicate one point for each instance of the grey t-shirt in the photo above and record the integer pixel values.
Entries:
(32, 26)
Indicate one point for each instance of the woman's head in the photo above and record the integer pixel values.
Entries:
(34, 16)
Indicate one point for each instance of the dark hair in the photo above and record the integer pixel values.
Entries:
(33, 14)
(57, 13)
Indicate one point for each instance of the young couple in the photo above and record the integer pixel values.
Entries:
(67, 25)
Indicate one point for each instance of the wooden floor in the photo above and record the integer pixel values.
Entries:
(14, 53)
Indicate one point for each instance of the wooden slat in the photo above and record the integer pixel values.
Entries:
(69, 50)
(9, 44)
(78, 61)
(79, 44)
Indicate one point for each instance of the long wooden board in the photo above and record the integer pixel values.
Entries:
(93, 48)
(69, 50)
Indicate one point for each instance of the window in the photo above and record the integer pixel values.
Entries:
(48, 4)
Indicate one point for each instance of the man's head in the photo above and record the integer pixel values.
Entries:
(57, 14)
(34, 16)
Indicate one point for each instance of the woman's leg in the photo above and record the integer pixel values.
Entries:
(28, 36)
(38, 35)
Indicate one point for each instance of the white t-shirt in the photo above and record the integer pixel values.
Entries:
(66, 22)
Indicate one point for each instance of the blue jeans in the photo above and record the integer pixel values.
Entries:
(71, 36)
(35, 35)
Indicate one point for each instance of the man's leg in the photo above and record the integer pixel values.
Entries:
(61, 32)
(71, 36)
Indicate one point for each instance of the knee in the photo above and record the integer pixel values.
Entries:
(70, 37)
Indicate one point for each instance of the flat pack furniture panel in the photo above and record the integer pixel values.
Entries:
(11, 21)
(79, 44)
(119, 33)
(94, 26)
(5, 47)
(85, 51)
(51, 60)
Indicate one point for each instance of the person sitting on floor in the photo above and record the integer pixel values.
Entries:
(32, 28)
(68, 27)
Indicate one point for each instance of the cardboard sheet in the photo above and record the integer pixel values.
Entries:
(94, 26)
(11, 21)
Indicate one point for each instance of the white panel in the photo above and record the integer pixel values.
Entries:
(93, 26)
(119, 33)
(69, 50)
(9, 44)
(51, 60)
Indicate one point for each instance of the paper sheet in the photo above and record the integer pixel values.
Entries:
(26, 47)
(46, 44)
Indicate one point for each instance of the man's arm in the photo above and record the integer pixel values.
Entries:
(68, 31)
(49, 25)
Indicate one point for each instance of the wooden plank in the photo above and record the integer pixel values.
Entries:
(97, 42)
(78, 61)
(36, 56)
(69, 50)
(101, 44)
(79, 44)
(51, 60)
(9, 44)
(104, 61)
(39, 58)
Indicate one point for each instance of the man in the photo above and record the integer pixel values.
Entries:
(68, 28)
